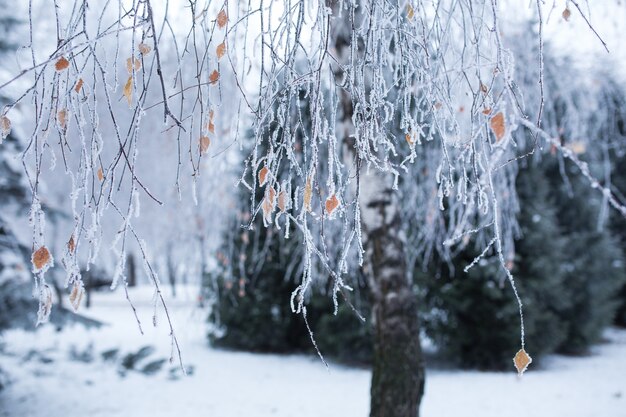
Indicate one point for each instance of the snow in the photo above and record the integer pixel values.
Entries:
(225, 383)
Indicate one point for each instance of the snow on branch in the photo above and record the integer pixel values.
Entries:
(325, 94)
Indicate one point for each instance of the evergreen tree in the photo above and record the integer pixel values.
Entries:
(255, 278)
(254, 284)
(15, 300)
(473, 317)
(618, 179)
(593, 261)
(618, 225)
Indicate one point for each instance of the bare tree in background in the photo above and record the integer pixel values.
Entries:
(385, 85)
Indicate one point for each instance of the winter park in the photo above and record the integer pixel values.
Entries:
(383, 208)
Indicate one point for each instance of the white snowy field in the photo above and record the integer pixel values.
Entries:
(53, 382)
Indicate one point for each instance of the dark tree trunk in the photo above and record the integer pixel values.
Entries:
(87, 279)
(398, 368)
(132, 273)
(171, 269)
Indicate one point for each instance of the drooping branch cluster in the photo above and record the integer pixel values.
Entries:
(328, 92)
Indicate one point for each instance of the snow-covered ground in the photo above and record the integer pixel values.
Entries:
(55, 382)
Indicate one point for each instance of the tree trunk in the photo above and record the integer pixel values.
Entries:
(132, 272)
(171, 269)
(88, 282)
(398, 368)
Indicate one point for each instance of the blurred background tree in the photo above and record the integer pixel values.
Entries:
(16, 305)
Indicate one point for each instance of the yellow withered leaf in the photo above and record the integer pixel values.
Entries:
(220, 50)
(331, 204)
(133, 62)
(577, 147)
(41, 258)
(521, 361)
(79, 85)
(204, 144)
(214, 77)
(308, 194)
(410, 12)
(100, 174)
(61, 64)
(410, 138)
(497, 126)
(222, 19)
(144, 49)
(263, 176)
(128, 90)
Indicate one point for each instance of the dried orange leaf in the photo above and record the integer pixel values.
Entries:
(331, 204)
(268, 207)
(487, 111)
(61, 64)
(62, 118)
(210, 126)
(144, 49)
(497, 125)
(272, 195)
(204, 144)
(77, 294)
(215, 75)
(521, 361)
(133, 62)
(566, 14)
(220, 50)
(100, 174)
(222, 19)
(409, 138)
(484, 88)
(41, 258)
(263, 176)
(71, 245)
(282, 201)
(128, 90)
(79, 85)
(308, 194)
(5, 127)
